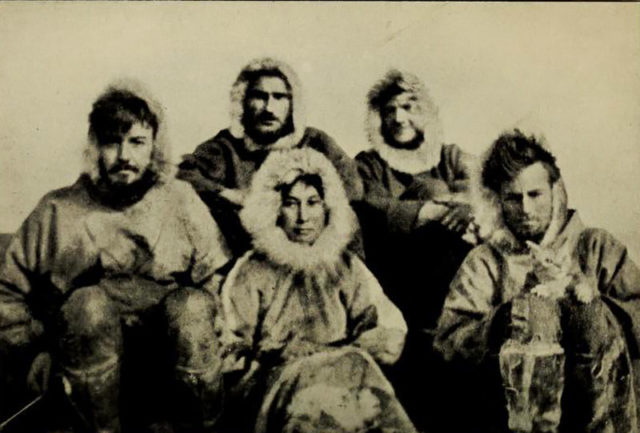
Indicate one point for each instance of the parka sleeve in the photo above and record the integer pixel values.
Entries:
(210, 251)
(378, 203)
(618, 280)
(27, 262)
(241, 305)
(205, 169)
(463, 329)
(374, 321)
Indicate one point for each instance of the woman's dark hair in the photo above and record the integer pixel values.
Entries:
(511, 153)
(313, 180)
(115, 112)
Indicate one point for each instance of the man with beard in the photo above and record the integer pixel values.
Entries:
(112, 281)
(267, 115)
(554, 304)
(413, 218)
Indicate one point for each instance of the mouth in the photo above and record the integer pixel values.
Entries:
(303, 230)
(123, 170)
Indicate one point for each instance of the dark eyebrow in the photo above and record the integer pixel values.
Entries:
(281, 95)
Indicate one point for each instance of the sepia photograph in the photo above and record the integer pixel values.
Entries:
(318, 217)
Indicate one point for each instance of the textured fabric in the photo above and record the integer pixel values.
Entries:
(268, 307)
(138, 253)
(490, 277)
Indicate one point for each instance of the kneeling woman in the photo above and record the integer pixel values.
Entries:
(307, 321)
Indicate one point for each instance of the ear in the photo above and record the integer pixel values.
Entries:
(559, 213)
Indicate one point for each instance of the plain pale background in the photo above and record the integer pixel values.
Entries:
(568, 71)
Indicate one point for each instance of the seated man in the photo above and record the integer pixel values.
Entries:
(414, 218)
(105, 271)
(547, 309)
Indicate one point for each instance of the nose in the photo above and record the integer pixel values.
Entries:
(270, 104)
(303, 213)
(124, 151)
(527, 206)
(400, 116)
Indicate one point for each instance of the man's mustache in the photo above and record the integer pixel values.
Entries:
(266, 116)
(123, 166)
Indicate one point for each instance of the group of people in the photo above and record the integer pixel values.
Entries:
(274, 284)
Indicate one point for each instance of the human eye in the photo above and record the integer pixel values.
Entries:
(259, 95)
(138, 141)
(535, 194)
(314, 201)
(289, 202)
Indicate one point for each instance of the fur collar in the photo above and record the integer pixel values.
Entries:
(409, 161)
(238, 92)
(262, 208)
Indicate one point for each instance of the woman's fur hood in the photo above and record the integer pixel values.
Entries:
(407, 161)
(161, 157)
(488, 218)
(238, 93)
(262, 209)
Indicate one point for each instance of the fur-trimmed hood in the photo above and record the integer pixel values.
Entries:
(262, 209)
(238, 93)
(161, 158)
(490, 223)
(407, 161)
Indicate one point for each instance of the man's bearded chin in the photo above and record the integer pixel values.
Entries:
(534, 234)
(269, 137)
(124, 194)
(412, 144)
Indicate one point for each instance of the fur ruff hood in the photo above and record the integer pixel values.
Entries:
(238, 93)
(490, 223)
(262, 208)
(161, 158)
(408, 161)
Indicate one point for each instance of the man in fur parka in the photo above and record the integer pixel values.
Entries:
(110, 285)
(267, 113)
(308, 323)
(546, 313)
(413, 217)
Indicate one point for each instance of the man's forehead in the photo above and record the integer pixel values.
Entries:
(402, 98)
(270, 84)
(530, 178)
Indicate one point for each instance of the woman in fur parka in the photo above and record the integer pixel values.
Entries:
(307, 322)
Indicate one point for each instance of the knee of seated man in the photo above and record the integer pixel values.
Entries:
(191, 323)
(89, 327)
(587, 328)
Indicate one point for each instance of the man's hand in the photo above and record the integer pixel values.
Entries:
(233, 195)
(39, 373)
(457, 218)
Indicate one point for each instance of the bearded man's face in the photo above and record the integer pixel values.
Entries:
(267, 110)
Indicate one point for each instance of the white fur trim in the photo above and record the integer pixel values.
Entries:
(262, 208)
(239, 90)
